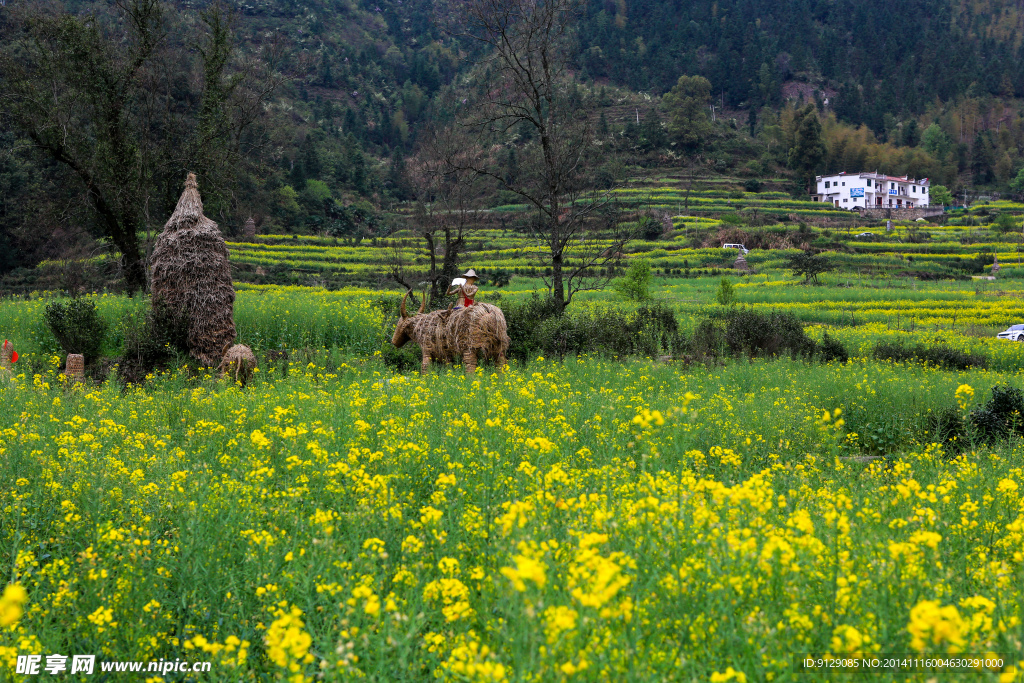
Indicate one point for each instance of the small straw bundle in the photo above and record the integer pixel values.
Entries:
(249, 231)
(74, 369)
(192, 276)
(239, 362)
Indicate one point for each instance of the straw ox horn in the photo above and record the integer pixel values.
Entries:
(423, 304)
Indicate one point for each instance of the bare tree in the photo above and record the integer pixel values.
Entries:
(525, 46)
(447, 201)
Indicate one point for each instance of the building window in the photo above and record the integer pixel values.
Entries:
(845, 200)
(924, 190)
(869, 182)
(826, 184)
(892, 186)
(915, 189)
(844, 184)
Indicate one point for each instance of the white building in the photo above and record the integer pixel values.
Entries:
(867, 190)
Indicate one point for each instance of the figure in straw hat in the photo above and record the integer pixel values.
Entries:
(464, 288)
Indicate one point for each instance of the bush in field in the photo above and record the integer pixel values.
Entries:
(499, 278)
(635, 285)
(708, 341)
(831, 350)
(154, 341)
(944, 357)
(78, 327)
(523, 319)
(947, 426)
(650, 228)
(1006, 223)
(535, 329)
(726, 294)
(402, 360)
(1002, 416)
(755, 334)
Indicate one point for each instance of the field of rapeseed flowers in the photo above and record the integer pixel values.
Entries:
(580, 521)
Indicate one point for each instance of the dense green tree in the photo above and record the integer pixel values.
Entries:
(911, 134)
(936, 142)
(1017, 184)
(808, 265)
(808, 150)
(983, 158)
(687, 108)
(940, 194)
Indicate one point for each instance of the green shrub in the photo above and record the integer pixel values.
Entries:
(1002, 416)
(499, 278)
(650, 228)
(636, 283)
(708, 341)
(404, 359)
(726, 293)
(944, 357)
(947, 427)
(755, 334)
(1006, 223)
(523, 320)
(153, 341)
(831, 349)
(535, 328)
(808, 265)
(78, 327)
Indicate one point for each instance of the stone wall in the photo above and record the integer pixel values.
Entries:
(901, 214)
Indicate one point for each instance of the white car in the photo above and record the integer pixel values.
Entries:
(736, 246)
(1013, 333)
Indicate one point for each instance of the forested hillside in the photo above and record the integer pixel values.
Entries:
(308, 116)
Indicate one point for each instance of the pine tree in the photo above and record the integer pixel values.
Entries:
(808, 149)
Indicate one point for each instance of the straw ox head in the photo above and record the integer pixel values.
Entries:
(406, 324)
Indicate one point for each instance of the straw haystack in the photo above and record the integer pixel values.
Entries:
(238, 363)
(249, 231)
(477, 332)
(192, 277)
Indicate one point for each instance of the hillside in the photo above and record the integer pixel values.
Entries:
(926, 87)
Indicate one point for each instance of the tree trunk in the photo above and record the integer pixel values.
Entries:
(133, 268)
(557, 285)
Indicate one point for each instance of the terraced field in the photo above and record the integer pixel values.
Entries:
(772, 224)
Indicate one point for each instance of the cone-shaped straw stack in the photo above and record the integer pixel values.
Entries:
(192, 277)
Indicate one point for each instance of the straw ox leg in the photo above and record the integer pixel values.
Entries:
(469, 360)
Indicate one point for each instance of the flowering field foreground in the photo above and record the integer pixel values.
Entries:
(588, 521)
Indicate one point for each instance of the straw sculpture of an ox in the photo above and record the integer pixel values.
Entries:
(475, 333)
